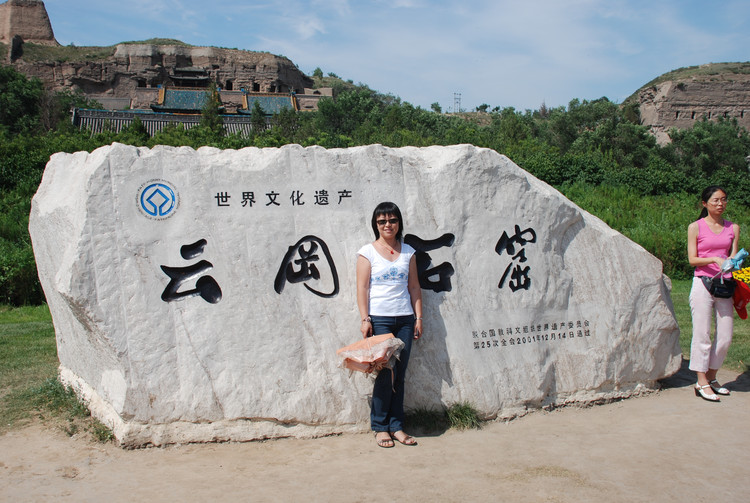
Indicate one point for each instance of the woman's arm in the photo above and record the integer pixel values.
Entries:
(736, 242)
(693, 257)
(415, 293)
(363, 295)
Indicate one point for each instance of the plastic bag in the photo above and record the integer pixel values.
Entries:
(372, 354)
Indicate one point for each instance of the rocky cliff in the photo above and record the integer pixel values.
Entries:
(124, 74)
(27, 19)
(678, 99)
(130, 68)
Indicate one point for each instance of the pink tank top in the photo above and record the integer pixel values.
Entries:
(713, 245)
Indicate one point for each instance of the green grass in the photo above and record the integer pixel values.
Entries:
(658, 223)
(463, 416)
(66, 53)
(28, 357)
(158, 41)
(460, 416)
(71, 53)
(29, 387)
(738, 358)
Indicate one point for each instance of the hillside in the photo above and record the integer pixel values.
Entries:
(121, 71)
(679, 98)
(710, 71)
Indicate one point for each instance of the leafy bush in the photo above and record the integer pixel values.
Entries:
(19, 283)
(596, 152)
(19, 101)
(658, 223)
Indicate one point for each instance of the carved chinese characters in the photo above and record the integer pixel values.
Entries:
(201, 295)
(205, 286)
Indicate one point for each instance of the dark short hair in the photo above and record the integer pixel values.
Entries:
(383, 209)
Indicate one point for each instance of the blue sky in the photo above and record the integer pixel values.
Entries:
(499, 52)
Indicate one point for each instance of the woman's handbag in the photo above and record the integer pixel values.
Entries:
(719, 287)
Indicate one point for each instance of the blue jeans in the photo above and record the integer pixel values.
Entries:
(387, 411)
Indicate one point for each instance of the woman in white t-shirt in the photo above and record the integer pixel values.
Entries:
(390, 301)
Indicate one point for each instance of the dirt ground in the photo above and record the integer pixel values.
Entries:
(663, 447)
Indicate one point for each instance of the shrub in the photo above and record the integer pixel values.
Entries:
(19, 283)
(463, 416)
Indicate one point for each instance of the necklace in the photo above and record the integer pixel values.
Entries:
(387, 248)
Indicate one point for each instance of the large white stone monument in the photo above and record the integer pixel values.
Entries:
(201, 295)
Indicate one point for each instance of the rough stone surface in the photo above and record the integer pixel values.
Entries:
(595, 321)
(138, 67)
(680, 103)
(27, 19)
(129, 75)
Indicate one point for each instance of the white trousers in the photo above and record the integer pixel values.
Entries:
(705, 354)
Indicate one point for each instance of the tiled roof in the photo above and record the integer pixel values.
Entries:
(186, 100)
(270, 104)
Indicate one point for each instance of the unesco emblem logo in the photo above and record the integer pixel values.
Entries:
(157, 199)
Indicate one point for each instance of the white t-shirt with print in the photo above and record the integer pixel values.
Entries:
(389, 292)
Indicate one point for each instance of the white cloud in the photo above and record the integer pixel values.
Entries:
(308, 27)
(501, 52)
(340, 7)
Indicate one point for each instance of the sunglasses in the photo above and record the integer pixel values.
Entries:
(391, 221)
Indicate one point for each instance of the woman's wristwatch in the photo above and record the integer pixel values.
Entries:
(366, 319)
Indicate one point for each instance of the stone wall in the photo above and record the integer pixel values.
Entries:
(134, 67)
(679, 104)
(27, 18)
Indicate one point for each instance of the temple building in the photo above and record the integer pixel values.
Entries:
(159, 81)
(183, 106)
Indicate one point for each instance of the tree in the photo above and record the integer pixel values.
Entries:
(509, 128)
(483, 108)
(631, 112)
(711, 146)
(318, 73)
(543, 110)
(19, 101)
(211, 113)
(287, 122)
(436, 108)
(134, 134)
(258, 119)
(55, 107)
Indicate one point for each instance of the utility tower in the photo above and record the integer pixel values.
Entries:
(456, 102)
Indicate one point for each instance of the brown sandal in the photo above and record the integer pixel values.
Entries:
(385, 443)
(407, 439)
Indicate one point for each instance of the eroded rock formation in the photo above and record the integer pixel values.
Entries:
(139, 68)
(681, 102)
(125, 75)
(27, 19)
